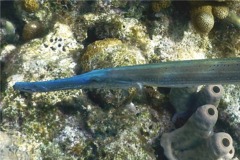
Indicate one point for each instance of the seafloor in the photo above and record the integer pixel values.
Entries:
(51, 39)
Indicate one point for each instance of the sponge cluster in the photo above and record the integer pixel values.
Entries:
(196, 139)
(187, 100)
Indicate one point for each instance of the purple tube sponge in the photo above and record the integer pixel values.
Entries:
(210, 94)
(196, 140)
(217, 146)
(187, 100)
(198, 127)
(221, 146)
(181, 98)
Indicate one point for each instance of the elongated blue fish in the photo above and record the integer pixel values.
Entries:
(165, 74)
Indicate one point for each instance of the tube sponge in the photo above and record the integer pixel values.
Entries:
(187, 100)
(210, 94)
(181, 98)
(217, 146)
(221, 145)
(196, 140)
(198, 127)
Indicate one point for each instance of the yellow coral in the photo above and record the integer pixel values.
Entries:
(98, 47)
(30, 5)
(204, 22)
(201, 9)
(110, 52)
(202, 18)
(158, 5)
(204, 12)
(220, 12)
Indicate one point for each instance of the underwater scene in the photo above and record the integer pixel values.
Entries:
(120, 80)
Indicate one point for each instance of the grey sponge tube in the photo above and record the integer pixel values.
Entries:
(196, 140)
(217, 146)
(210, 94)
(198, 127)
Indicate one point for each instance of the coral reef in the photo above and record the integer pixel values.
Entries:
(114, 26)
(204, 14)
(15, 146)
(69, 124)
(34, 11)
(134, 123)
(110, 52)
(220, 12)
(196, 140)
(30, 64)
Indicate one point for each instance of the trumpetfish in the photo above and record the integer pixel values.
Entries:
(164, 74)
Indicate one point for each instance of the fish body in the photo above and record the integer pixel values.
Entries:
(165, 74)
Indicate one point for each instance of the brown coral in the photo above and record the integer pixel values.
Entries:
(202, 18)
(30, 5)
(204, 12)
(220, 12)
(32, 30)
(159, 5)
(110, 52)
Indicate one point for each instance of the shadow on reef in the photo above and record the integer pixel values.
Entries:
(179, 24)
(8, 14)
(158, 150)
(178, 19)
